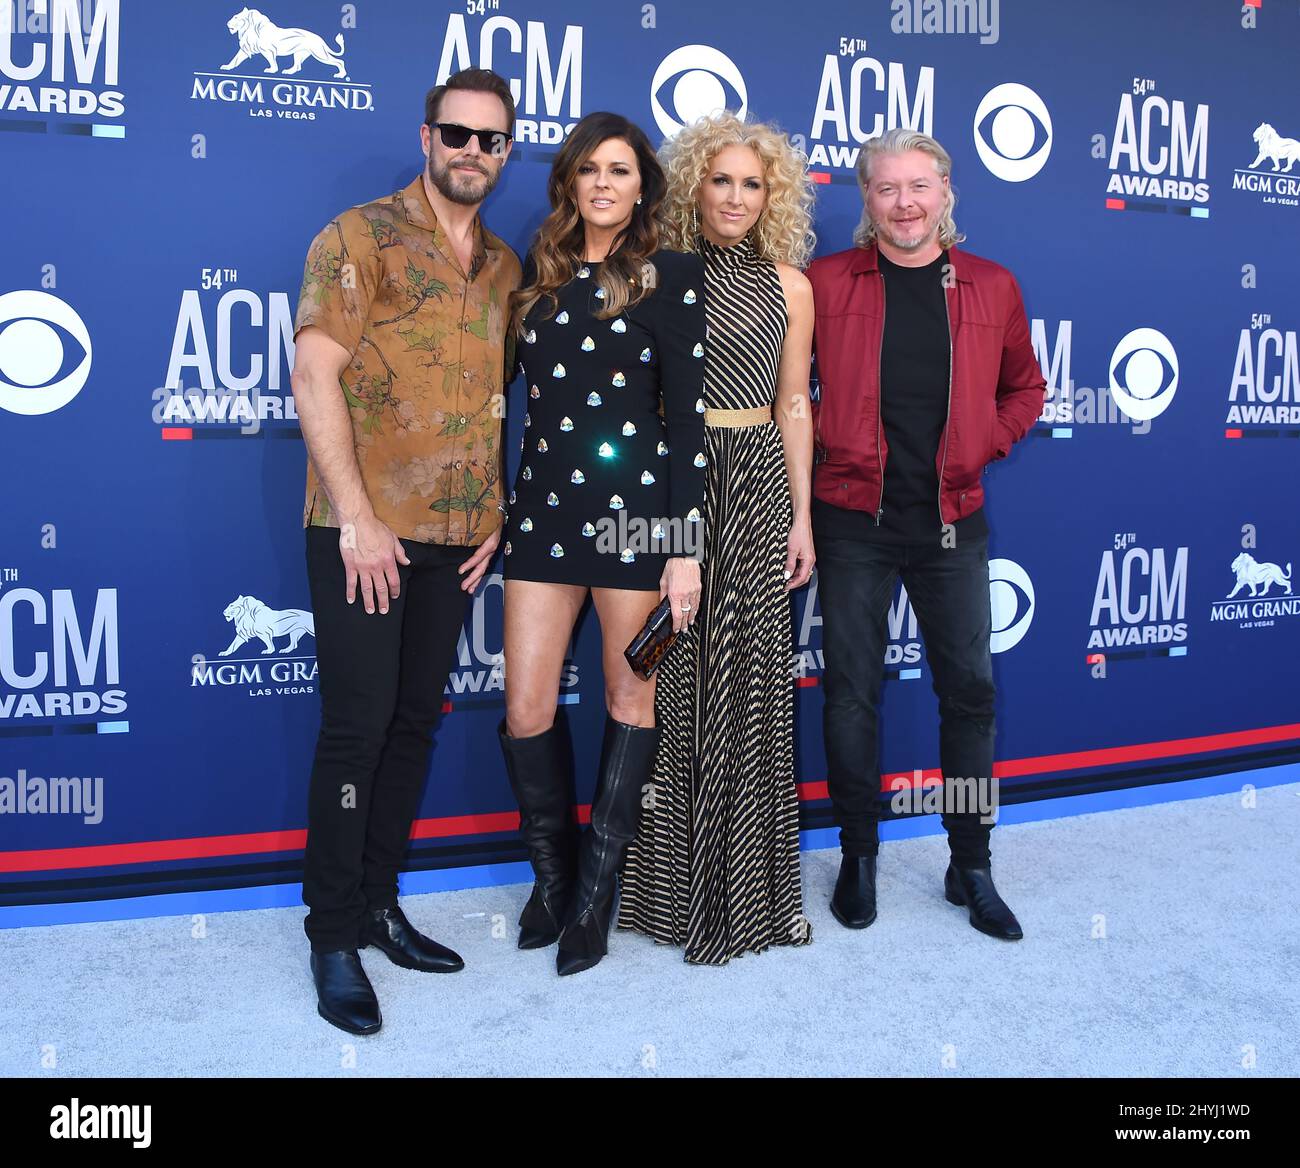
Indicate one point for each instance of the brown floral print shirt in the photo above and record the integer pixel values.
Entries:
(429, 349)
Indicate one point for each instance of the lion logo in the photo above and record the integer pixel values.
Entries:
(253, 620)
(259, 36)
(1273, 145)
(1252, 574)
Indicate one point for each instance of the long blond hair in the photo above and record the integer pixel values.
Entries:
(783, 232)
(899, 141)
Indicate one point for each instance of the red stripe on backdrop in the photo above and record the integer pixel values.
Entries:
(204, 847)
(1078, 760)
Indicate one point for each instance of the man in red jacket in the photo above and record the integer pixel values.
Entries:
(926, 375)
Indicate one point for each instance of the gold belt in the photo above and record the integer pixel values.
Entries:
(755, 417)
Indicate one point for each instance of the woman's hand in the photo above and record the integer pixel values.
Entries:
(681, 584)
(474, 568)
(799, 555)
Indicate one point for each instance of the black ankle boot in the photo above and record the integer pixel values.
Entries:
(973, 888)
(854, 902)
(344, 995)
(540, 769)
(388, 930)
(626, 762)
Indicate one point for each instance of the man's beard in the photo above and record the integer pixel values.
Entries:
(453, 185)
(914, 244)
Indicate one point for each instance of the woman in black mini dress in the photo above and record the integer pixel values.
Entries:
(608, 500)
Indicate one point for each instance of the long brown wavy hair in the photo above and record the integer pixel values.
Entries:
(626, 274)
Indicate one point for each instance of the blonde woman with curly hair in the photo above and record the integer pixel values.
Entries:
(715, 864)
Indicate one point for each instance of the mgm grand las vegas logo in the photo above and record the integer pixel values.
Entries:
(266, 72)
(1260, 596)
(262, 656)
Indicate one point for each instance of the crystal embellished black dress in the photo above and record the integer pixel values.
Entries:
(613, 445)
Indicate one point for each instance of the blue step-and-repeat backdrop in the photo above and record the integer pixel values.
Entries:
(1134, 164)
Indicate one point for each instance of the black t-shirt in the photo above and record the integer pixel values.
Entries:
(914, 368)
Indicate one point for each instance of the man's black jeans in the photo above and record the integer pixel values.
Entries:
(949, 591)
(381, 684)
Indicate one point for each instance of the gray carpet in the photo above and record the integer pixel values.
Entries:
(1160, 940)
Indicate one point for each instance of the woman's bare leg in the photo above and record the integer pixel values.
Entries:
(622, 612)
(539, 621)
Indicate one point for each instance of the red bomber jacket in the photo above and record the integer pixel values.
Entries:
(995, 390)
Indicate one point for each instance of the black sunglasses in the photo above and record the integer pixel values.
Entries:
(456, 137)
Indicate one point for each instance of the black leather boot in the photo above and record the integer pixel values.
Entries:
(540, 769)
(973, 888)
(388, 930)
(344, 995)
(626, 761)
(854, 901)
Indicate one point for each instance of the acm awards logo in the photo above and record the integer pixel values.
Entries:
(860, 96)
(542, 64)
(59, 658)
(1142, 380)
(60, 58)
(266, 72)
(1158, 155)
(1140, 600)
(1265, 389)
(45, 353)
(228, 367)
(1012, 601)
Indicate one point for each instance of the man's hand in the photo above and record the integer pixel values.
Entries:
(371, 553)
(473, 568)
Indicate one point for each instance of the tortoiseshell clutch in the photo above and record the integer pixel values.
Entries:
(656, 637)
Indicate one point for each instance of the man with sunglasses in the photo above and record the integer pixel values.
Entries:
(399, 378)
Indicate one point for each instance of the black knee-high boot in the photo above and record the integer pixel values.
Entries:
(626, 763)
(540, 769)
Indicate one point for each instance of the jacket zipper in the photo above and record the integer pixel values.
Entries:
(818, 446)
(880, 397)
(947, 425)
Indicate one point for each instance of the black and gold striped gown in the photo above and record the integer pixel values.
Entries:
(715, 865)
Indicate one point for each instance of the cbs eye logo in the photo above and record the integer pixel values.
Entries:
(44, 353)
(694, 82)
(1013, 132)
(1011, 597)
(1144, 374)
